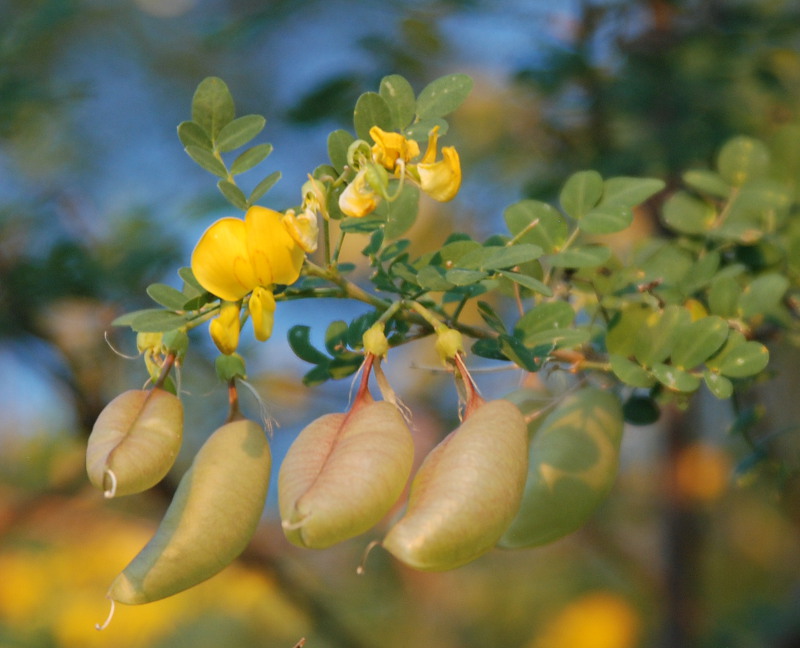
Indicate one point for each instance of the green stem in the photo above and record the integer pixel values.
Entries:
(326, 240)
(434, 320)
(349, 289)
(338, 249)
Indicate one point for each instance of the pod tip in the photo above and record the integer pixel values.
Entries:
(111, 490)
(362, 568)
(105, 624)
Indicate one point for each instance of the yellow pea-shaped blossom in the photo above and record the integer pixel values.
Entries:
(235, 257)
(389, 147)
(440, 180)
(359, 198)
(303, 228)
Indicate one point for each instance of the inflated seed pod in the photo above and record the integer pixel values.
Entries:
(574, 455)
(343, 473)
(134, 441)
(211, 519)
(466, 492)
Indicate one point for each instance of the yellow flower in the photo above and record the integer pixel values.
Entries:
(303, 228)
(235, 257)
(440, 180)
(262, 310)
(225, 328)
(152, 347)
(389, 147)
(359, 198)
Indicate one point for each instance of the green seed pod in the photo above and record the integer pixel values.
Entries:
(343, 473)
(134, 441)
(210, 521)
(466, 492)
(574, 455)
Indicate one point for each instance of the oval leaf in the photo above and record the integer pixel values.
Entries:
(656, 338)
(606, 219)
(250, 158)
(443, 96)
(240, 131)
(339, 142)
(166, 296)
(402, 212)
(207, 160)
(419, 131)
(433, 278)
(581, 192)
(233, 194)
(586, 256)
(697, 341)
(371, 110)
(544, 317)
(718, 385)
(707, 182)
(192, 134)
(299, 337)
(745, 360)
(689, 215)
(630, 372)
(629, 192)
(676, 379)
(461, 277)
(399, 95)
(535, 222)
(263, 187)
(500, 257)
(156, 321)
(528, 282)
(742, 159)
(212, 106)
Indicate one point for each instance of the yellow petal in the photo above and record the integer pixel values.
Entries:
(220, 261)
(315, 197)
(303, 228)
(441, 180)
(225, 328)
(389, 147)
(275, 255)
(430, 152)
(151, 342)
(358, 199)
(262, 310)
